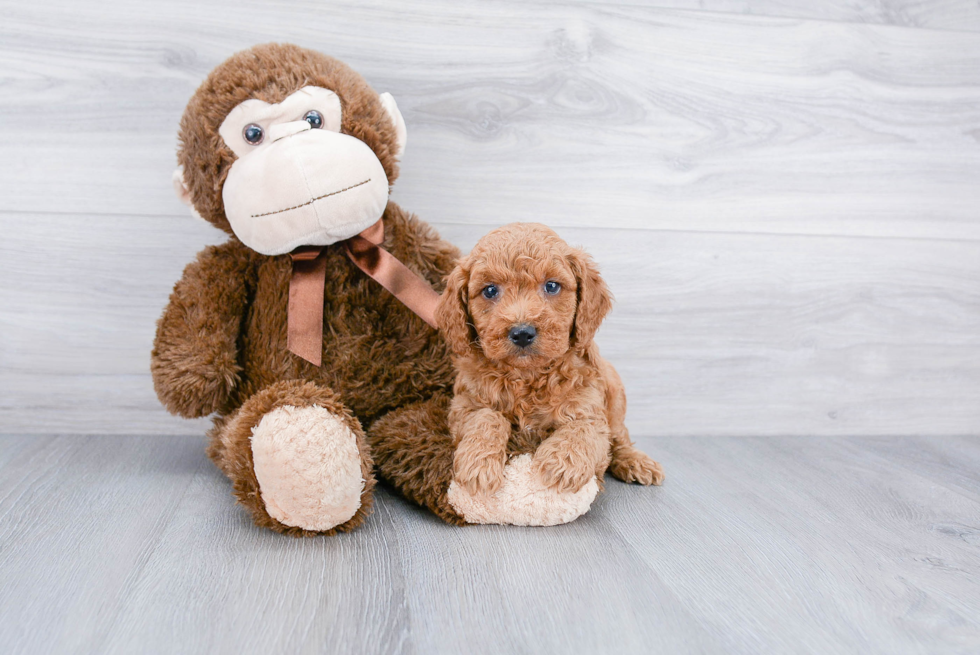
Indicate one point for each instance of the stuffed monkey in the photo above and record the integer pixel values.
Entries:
(283, 147)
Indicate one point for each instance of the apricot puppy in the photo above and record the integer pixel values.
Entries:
(520, 312)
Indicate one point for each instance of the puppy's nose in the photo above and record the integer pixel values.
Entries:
(522, 335)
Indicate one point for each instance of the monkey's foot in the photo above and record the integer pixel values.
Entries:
(308, 467)
(522, 499)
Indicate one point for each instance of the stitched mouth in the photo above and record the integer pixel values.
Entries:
(310, 202)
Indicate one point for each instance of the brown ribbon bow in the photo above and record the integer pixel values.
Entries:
(305, 311)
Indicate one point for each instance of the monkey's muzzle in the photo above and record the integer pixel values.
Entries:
(311, 188)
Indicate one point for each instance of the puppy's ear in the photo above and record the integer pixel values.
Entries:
(452, 312)
(593, 296)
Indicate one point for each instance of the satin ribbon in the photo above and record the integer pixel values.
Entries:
(304, 320)
(305, 312)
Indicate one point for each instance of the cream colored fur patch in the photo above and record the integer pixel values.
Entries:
(308, 467)
(523, 499)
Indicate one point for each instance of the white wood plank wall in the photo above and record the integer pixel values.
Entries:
(784, 195)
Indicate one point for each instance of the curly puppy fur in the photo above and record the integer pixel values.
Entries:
(220, 345)
(556, 392)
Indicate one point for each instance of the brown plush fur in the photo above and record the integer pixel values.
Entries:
(557, 393)
(414, 452)
(221, 342)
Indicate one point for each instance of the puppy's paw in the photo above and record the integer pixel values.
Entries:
(635, 466)
(562, 466)
(479, 466)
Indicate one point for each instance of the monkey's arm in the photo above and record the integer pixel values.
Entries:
(195, 353)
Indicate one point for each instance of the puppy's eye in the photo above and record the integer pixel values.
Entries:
(253, 134)
(490, 291)
(314, 118)
(552, 288)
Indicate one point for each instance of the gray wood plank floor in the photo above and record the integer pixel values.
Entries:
(122, 544)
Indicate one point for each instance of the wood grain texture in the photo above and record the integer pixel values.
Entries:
(132, 543)
(783, 195)
(713, 334)
(933, 14)
(576, 115)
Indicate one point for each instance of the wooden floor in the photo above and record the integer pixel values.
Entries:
(784, 196)
(125, 544)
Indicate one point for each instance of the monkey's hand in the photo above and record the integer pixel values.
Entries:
(195, 354)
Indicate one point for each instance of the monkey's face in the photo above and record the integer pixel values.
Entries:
(286, 147)
(297, 179)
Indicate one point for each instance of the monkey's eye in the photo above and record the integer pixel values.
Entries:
(552, 288)
(253, 134)
(490, 291)
(314, 118)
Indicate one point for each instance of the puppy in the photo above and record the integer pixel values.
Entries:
(520, 313)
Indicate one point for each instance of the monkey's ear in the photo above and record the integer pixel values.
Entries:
(183, 191)
(594, 299)
(401, 133)
(452, 312)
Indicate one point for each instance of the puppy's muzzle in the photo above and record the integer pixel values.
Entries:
(522, 335)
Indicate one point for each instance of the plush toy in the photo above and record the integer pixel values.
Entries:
(280, 332)
(537, 416)
(296, 334)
